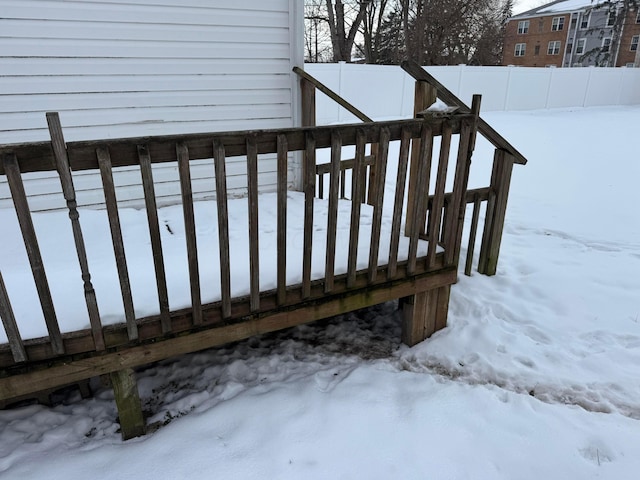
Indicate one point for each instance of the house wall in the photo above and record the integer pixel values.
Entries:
(630, 29)
(537, 40)
(122, 68)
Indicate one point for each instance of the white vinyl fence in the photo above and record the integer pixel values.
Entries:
(502, 88)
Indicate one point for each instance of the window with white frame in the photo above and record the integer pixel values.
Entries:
(557, 24)
(554, 48)
(520, 49)
(611, 18)
(634, 43)
(580, 46)
(606, 44)
(584, 21)
(523, 26)
(638, 16)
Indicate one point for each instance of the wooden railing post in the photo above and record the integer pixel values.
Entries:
(424, 97)
(496, 210)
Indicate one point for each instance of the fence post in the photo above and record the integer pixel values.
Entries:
(425, 95)
(496, 210)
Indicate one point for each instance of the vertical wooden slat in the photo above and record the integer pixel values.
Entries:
(435, 214)
(104, 161)
(223, 226)
(343, 183)
(424, 97)
(398, 203)
(332, 217)
(308, 101)
(382, 151)
(254, 250)
(356, 195)
(461, 208)
(282, 218)
(10, 325)
(309, 189)
(182, 153)
(12, 171)
(66, 182)
(321, 186)
(457, 199)
(420, 198)
(154, 233)
(472, 235)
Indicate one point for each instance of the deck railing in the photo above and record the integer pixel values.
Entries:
(494, 196)
(104, 155)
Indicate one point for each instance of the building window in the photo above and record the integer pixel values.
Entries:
(634, 43)
(569, 48)
(630, 65)
(520, 49)
(557, 24)
(523, 26)
(536, 50)
(611, 18)
(584, 22)
(554, 48)
(580, 46)
(606, 43)
(638, 16)
(541, 25)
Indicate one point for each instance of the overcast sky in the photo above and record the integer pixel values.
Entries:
(524, 5)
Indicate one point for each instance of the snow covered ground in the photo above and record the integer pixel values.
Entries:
(537, 375)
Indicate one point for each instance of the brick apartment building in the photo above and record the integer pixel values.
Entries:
(574, 33)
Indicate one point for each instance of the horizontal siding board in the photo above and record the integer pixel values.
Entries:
(62, 102)
(65, 30)
(143, 129)
(22, 121)
(42, 66)
(138, 83)
(28, 47)
(175, 14)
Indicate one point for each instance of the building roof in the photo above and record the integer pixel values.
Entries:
(560, 6)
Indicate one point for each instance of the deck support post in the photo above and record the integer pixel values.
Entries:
(496, 211)
(125, 388)
(424, 314)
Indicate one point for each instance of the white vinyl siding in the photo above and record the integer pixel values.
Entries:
(122, 68)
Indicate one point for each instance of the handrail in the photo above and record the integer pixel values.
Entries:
(419, 73)
(331, 94)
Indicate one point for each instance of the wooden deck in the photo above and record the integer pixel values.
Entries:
(422, 281)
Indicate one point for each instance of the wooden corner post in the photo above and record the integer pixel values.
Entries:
(425, 96)
(496, 211)
(132, 422)
(423, 314)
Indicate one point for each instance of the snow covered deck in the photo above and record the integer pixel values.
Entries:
(121, 287)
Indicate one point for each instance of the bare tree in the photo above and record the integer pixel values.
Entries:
(344, 20)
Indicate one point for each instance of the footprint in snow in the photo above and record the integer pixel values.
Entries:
(327, 380)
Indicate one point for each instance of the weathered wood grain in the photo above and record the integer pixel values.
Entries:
(12, 171)
(10, 325)
(437, 201)
(309, 193)
(356, 193)
(252, 199)
(332, 214)
(66, 182)
(219, 159)
(104, 161)
(282, 219)
(186, 193)
(398, 203)
(154, 233)
(378, 201)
